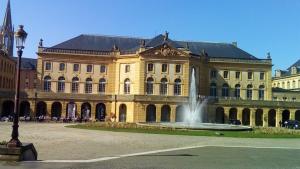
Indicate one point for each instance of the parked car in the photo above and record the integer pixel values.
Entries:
(292, 124)
(235, 122)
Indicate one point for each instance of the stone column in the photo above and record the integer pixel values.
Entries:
(226, 115)
(32, 109)
(173, 113)
(78, 109)
(292, 114)
(278, 117)
(63, 110)
(252, 117)
(158, 112)
(265, 117)
(93, 111)
(49, 106)
(239, 113)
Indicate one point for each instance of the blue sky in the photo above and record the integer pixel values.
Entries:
(259, 26)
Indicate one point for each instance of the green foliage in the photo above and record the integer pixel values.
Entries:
(3, 142)
(260, 132)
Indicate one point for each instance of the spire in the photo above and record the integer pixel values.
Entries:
(7, 22)
(8, 31)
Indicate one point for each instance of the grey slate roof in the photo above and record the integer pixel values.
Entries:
(106, 43)
(296, 64)
(28, 63)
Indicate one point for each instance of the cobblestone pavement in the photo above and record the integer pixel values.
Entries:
(55, 142)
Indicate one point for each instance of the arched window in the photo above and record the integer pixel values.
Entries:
(177, 87)
(61, 84)
(88, 85)
(126, 86)
(237, 91)
(213, 89)
(163, 86)
(225, 90)
(102, 83)
(249, 92)
(47, 84)
(261, 92)
(75, 84)
(149, 85)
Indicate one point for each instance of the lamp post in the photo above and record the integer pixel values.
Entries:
(20, 36)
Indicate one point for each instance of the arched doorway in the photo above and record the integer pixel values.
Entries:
(122, 113)
(259, 117)
(246, 117)
(56, 110)
(151, 113)
(85, 111)
(179, 117)
(220, 118)
(71, 110)
(100, 112)
(285, 116)
(272, 118)
(7, 108)
(233, 114)
(297, 115)
(41, 109)
(165, 113)
(24, 109)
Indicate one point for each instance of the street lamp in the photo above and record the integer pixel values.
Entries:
(20, 36)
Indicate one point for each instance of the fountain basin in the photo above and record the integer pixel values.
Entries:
(199, 126)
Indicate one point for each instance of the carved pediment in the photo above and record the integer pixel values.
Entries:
(164, 50)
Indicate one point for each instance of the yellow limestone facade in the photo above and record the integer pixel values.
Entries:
(151, 84)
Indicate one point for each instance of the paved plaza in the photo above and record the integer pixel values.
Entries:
(61, 147)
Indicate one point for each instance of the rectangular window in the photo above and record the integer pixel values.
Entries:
(102, 69)
(89, 68)
(164, 68)
(178, 68)
(150, 67)
(213, 73)
(237, 75)
(225, 74)
(250, 75)
(48, 66)
(127, 68)
(262, 76)
(61, 67)
(75, 67)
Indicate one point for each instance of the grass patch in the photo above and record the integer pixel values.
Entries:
(134, 128)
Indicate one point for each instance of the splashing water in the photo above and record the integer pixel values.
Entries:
(194, 110)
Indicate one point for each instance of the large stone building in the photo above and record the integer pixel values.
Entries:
(286, 83)
(138, 80)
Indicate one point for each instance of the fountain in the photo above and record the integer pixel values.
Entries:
(195, 116)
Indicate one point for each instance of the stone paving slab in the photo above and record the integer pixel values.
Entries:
(53, 141)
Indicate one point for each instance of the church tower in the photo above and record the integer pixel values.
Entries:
(7, 32)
